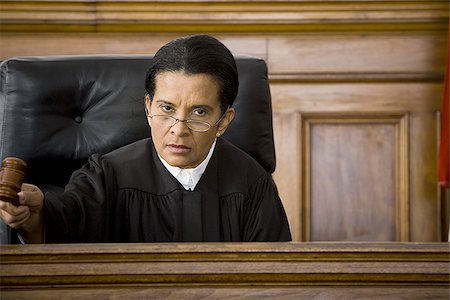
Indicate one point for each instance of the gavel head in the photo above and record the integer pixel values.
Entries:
(12, 174)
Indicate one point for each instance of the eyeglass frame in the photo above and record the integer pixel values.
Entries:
(176, 120)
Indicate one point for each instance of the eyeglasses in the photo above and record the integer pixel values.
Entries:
(194, 125)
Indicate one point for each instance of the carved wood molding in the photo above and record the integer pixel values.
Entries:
(379, 77)
(221, 16)
(33, 267)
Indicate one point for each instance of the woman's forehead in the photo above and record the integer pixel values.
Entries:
(171, 76)
(179, 88)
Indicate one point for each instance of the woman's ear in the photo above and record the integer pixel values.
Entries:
(226, 120)
(148, 103)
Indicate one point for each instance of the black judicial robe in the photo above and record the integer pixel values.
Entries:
(129, 196)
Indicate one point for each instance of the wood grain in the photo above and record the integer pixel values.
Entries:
(224, 270)
(221, 16)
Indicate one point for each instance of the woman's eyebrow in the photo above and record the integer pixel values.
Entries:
(163, 101)
(204, 106)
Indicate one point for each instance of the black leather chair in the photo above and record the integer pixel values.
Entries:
(57, 111)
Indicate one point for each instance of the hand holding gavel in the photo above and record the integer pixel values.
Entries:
(21, 203)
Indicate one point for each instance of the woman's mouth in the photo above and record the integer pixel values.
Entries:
(179, 149)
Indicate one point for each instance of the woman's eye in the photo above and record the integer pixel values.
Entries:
(199, 112)
(166, 108)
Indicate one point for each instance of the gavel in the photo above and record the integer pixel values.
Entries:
(12, 174)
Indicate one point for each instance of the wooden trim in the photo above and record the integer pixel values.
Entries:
(444, 208)
(380, 77)
(300, 178)
(221, 16)
(215, 28)
(305, 177)
(222, 264)
(402, 178)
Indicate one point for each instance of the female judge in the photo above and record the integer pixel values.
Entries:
(185, 183)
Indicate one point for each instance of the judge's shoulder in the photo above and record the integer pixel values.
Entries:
(127, 155)
(233, 159)
(133, 151)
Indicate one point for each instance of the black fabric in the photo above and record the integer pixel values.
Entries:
(57, 111)
(129, 196)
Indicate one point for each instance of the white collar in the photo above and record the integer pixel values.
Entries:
(189, 177)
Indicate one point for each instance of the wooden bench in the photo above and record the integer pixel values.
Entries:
(226, 270)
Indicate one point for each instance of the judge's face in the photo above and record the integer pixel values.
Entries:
(185, 97)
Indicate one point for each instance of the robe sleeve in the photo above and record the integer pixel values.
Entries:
(265, 218)
(80, 213)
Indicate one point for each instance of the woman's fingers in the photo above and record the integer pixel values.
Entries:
(28, 215)
(11, 208)
(31, 196)
(14, 216)
(19, 221)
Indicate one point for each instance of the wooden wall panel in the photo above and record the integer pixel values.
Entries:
(355, 182)
(360, 53)
(417, 97)
(324, 57)
(73, 43)
(288, 175)
(352, 186)
(418, 142)
(424, 200)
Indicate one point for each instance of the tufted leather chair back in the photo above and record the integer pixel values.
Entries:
(57, 111)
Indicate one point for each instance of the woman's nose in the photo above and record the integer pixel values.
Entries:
(180, 128)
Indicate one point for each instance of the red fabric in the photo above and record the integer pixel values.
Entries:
(443, 159)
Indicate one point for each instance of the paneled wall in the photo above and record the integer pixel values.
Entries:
(356, 89)
(363, 127)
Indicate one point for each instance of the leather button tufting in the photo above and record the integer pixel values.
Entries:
(78, 119)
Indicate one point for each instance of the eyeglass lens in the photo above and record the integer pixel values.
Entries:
(192, 124)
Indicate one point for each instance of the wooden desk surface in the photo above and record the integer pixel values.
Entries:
(226, 270)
